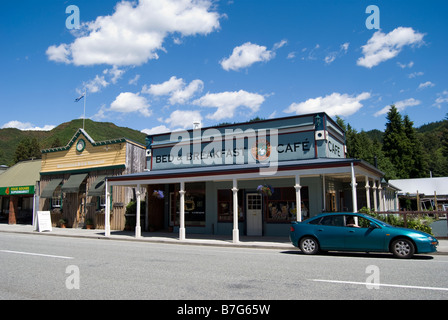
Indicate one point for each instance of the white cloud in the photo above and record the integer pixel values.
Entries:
(403, 66)
(415, 75)
(59, 53)
(128, 102)
(26, 126)
(157, 130)
(442, 98)
(427, 84)
(135, 32)
(183, 119)
(115, 73)
(382, 47)
(95, 85)
(246, 55)
(333, 55)
(176, 88)
(335, 104)
(164, 88)
(134, 80)
(400, 105)
(183, 95)
(228, 102)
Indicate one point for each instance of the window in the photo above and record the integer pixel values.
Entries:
(334, 221)
(102, 201)
(281, 206)
(225, 205)
(194, 205)
(56, 200)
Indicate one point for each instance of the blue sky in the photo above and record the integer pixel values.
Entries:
(160, 65)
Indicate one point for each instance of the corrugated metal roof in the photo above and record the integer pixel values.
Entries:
(24, 173)
(425, 186)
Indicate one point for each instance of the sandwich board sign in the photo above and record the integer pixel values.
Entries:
(44, 221)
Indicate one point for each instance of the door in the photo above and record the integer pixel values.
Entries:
(254, 214)
(331, 232)
(360, 236)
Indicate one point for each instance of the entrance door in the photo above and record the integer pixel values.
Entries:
(254, 214)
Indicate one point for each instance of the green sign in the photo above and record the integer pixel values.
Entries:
(13, 191)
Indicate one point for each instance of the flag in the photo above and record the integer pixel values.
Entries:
(80, 98)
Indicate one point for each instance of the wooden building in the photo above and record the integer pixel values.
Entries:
(251, 178)
(73, 179)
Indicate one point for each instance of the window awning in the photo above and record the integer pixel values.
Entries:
(73, 183)
(49, 189)
(97, 188)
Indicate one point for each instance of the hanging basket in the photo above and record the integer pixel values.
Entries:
(158, 194)
(265, 190)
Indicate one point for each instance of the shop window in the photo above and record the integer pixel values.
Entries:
(194, 205)
(225, 205)
(56, 200)
(281, 206)
(102, 200)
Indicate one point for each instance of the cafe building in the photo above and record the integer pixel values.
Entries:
(251, 178)
(72, 180)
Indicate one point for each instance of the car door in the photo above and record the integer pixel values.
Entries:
(363, 236)
(331, 232)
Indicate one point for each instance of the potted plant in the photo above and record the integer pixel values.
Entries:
(62, 223)
(265, 190)
(158, 194)
(89, 224)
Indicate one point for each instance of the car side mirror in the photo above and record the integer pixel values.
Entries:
(372, 225)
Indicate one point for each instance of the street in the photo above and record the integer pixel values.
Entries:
(37, 267)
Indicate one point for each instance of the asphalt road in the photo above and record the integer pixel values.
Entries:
(34, 267)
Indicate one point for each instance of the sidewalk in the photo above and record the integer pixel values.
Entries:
(281, 243)
(160, 237)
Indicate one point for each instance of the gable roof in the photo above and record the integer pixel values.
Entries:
(93, 142)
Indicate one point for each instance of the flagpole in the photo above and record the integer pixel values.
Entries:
(84, 120)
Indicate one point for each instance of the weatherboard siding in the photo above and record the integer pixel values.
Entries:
(93, 157)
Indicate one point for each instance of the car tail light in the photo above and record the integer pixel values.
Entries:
(292, 229)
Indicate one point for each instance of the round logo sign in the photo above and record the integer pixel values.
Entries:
(80, 146)
(261, 150)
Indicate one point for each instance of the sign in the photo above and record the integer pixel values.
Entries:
(11, 191)
(44, 221)
(249, 148)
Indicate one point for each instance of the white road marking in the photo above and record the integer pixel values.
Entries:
(381, 285)
(37, 254)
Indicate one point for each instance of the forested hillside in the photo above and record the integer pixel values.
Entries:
(402, 151)
(16, 145)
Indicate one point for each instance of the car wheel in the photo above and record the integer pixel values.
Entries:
(403, 248)
(309, 245)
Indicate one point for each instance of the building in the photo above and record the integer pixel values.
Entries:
(73, 179)
(212, 179)
(18, 187)
(429, 193)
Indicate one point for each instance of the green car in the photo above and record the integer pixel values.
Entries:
(346, 231)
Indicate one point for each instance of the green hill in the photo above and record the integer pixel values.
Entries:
(61, 135)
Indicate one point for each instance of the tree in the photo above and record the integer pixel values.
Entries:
(415, 160)
(27, 149)
(396, 146)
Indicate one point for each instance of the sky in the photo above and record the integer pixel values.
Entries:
(160, 65)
